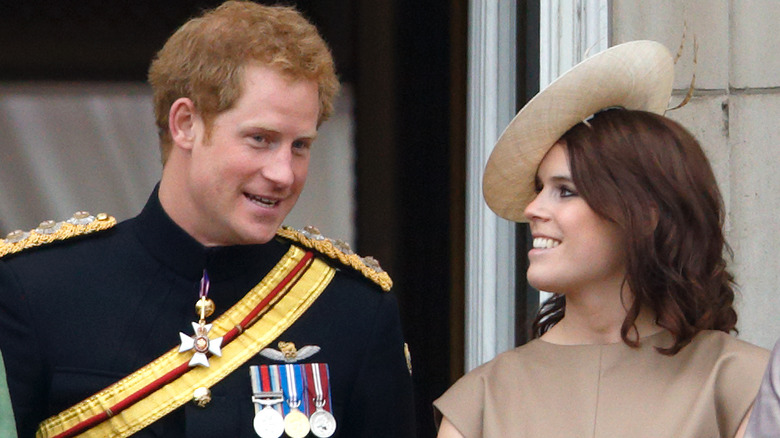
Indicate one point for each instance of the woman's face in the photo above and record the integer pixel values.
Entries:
(574, 249)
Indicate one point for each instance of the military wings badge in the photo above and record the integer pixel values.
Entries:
(288, 353)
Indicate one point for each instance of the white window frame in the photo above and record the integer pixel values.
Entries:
(568, 28)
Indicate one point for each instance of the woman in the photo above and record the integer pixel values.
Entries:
(627, 224)
(765, 418)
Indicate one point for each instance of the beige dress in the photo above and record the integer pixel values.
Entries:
(607, 391)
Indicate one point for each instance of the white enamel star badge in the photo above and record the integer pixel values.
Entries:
(200, 344)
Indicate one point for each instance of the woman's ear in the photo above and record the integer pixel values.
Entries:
(182, 123)
(653, 217)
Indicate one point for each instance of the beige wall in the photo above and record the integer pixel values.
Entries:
(735, 113)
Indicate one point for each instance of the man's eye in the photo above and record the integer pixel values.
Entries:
(300, 144)
(262, 139)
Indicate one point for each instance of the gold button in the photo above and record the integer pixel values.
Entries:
(204, 307)
(202, 396)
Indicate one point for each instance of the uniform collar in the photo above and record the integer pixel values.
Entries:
(172, 246)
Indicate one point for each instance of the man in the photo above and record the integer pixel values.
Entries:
(7, 427)
(184, 304)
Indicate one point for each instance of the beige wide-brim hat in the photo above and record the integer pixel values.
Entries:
(637, 75)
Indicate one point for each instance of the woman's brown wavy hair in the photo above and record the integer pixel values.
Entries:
(648, 175)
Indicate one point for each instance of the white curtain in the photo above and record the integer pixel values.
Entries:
(66, 147)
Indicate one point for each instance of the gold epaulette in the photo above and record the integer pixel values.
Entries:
(311, 238)
(50, 231)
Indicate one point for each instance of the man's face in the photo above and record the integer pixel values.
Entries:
(246, 177)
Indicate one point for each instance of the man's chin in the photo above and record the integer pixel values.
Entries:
(257, 240)
(250, 232)
(257, 236)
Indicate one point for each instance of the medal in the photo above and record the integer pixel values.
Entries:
(295, 400)
(200, 343)
(323, 424)
(268, 422)
(296, 423)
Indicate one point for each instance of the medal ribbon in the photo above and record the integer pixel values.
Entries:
(254, 375)
(264, 384)
(276, 386)
(319, 391)
(292, 386)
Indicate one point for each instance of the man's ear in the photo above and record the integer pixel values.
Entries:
(182, 123)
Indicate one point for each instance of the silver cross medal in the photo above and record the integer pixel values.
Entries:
(200, 342)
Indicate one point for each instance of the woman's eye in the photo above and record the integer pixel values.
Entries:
(566, 192)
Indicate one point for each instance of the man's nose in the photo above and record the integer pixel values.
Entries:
(279, 168)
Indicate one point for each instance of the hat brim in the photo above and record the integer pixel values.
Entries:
(637, 75)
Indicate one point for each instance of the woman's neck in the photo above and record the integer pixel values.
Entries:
(597, 318)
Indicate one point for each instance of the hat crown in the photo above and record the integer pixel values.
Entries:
(637, 75)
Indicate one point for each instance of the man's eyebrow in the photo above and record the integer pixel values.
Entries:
(307, 136)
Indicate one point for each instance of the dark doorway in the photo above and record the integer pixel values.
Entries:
(410, 109)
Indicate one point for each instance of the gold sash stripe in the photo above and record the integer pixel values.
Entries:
(301, 293)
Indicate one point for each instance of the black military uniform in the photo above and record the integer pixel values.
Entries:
(78, 315)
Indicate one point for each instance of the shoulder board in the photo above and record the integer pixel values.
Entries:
(311, 238)
(50, 231)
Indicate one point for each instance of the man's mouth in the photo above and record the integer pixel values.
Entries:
(265, 202)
